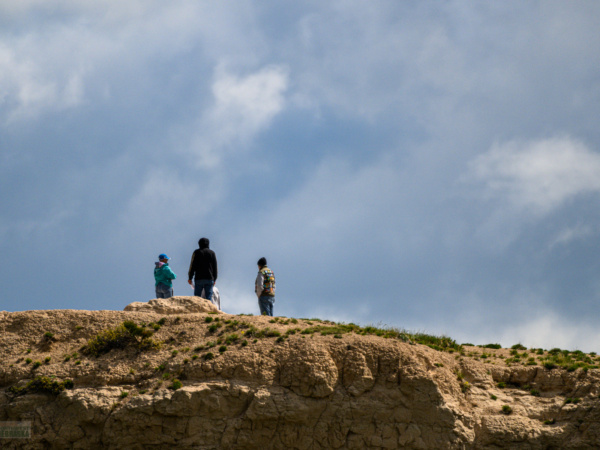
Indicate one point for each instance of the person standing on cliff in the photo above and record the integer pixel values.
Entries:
(163, 277)
(203, 270)
(265, 288)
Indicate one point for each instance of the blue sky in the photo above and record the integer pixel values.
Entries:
(433, 166)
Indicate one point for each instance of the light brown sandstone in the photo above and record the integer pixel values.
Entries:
(305, 392)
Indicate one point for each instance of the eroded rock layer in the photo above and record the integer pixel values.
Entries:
(225, 384)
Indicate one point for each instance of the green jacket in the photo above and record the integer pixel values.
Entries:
(163, 274)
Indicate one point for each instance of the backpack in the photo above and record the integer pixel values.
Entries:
(268, 282)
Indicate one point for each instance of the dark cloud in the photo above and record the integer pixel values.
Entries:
(425, 166)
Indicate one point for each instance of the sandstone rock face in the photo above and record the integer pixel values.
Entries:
(174, 305)
(241, 382)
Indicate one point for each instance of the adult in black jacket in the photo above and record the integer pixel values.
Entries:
(203, 270)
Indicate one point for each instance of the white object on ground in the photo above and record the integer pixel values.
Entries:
(216, 297)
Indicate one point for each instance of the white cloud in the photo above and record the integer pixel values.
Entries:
(31, 84)
(164, 206)
(550, 330)
(538, 176)
(570, 234)
(250, 102)
(243, 106)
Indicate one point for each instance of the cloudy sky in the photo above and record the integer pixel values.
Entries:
(432, 166)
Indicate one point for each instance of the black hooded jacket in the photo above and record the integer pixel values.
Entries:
(204, 263)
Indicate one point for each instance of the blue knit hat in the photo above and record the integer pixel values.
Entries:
(163, 256)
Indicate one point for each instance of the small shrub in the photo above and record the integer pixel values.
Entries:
(501, 385)
(222, 348)
(281, 339)
(174, 353)
(493, 397)
(519, 347)
(535, 392)
(128, 334)
(244, 343)
(48, 335)
(162, 321)
(231, 338)
(43, 385)
(195, 357)
(550, 422)
(438, 365)
(47, 359)
(465, 386)
(176, 384)
(143, 391)
(124, 394)
(495, 346)
(208, 319)
(272, 333)
(28, 350)
(37, 364)
(506, 409)
(209, 355)
(28, 360)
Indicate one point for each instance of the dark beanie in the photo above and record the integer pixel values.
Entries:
(262, 262)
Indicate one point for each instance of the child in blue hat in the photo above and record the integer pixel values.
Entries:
(163, 276)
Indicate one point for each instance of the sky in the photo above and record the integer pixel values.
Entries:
(429, 166)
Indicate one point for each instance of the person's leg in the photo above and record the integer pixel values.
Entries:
(208, 290)
(206, 286)
(262, 306)
(163, 291)
(265, 304)
(200, 289)
(270, 301)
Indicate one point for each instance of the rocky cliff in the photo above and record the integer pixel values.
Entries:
(178, 374)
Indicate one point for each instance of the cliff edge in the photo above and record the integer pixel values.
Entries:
(182, 375)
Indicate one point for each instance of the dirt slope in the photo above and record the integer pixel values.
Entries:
(224, 381)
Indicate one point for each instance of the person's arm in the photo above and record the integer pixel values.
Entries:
(170, 274)
(191, 270)
(259, 284)
(216, 272)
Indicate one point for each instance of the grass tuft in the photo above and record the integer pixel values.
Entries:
(42, 385)
(128, 334)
